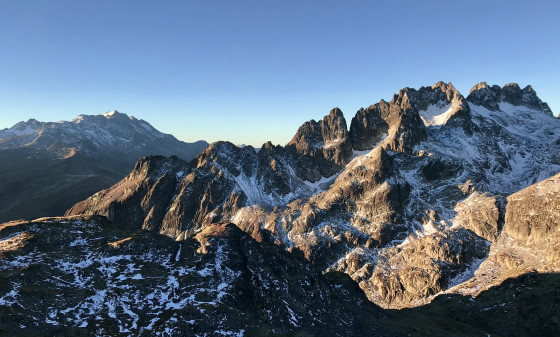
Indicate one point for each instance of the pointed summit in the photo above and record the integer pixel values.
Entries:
(529, 98)
(326, 143)
(313, 135)
(111, 113)
(484, 95)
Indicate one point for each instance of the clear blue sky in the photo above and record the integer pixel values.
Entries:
(251, 71)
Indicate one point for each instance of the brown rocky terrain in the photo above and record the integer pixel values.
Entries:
(84, 276)
(529, 240)
(409, 202)
(147, 284)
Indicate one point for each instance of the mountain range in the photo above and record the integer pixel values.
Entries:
(442, 206)
(46, 167)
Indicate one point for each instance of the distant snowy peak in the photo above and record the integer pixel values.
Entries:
(31, 123)
(22, 129)
(111, 133)
(101, 130)
(111, 113)
(115, 114)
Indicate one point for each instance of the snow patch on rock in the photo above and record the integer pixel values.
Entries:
(436, 114)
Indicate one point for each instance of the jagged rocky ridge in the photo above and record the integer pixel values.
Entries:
(427, 172)
(45, 168)
(490, 97)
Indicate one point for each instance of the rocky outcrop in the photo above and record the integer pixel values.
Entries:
(170, 196)
(398, 119)
(320, 149)
(362, 206)
(484, 95)
(490, 96)
(530, 99)
(368, 128)
(223, 281)
(409, 275)
(140, 199)
(328, 132)
(443, 95)
(404, 118)
(532, 219)
(526, 305)
(528, 242)
(481, 213)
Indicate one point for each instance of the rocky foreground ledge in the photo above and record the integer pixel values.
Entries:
(82, 276)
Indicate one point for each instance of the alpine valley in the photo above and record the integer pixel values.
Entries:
(431, 214)
(45, 168)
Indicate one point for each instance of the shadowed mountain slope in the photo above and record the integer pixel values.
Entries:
(47, 167)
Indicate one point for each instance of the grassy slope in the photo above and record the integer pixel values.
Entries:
(34, 186)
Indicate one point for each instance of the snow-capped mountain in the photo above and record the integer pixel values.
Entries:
(425, 195)
(48, 166)
(407, 173)
(112, 134)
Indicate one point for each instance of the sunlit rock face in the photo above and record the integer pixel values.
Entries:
(410, 202)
